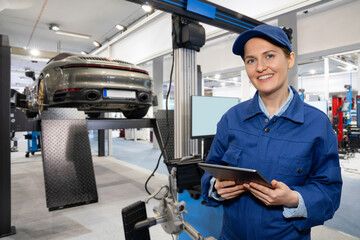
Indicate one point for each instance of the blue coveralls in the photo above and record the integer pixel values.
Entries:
(298, 148)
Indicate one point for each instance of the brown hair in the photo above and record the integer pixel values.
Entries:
(283, 48)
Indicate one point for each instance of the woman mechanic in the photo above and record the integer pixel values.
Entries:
(285, 139)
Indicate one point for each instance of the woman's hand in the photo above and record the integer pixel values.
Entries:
(228, 189)
(281, 195)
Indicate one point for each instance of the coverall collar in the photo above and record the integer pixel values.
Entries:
(294, 112)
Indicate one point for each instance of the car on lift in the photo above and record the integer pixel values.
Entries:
(92, 84)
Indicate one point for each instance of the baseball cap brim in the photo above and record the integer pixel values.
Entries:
(239, 44)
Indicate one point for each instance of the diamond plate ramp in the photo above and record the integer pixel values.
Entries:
(67, 162)
(166, 132)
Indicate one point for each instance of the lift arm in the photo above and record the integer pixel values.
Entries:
(206, 12)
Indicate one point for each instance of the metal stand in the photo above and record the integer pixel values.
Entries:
(170, 212)
(101, 143)
(5, 179)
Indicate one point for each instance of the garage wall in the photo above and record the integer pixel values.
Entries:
(149, 40)
(330, 29)
(315, 84)
(217, 55)
(335, 28)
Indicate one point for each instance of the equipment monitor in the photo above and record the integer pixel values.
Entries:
(206, 112)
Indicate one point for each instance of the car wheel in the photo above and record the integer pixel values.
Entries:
(93, 115)
(42, 101)
(136, 114)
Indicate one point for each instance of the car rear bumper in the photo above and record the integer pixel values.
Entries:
(94, 96)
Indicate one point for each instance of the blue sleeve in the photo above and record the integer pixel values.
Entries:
(322, 190)
(212, 192)
(295, 212)
(217, 150)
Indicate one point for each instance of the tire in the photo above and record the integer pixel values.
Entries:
(136, 114)
(27, 155)
(42, 100)
(93, 115)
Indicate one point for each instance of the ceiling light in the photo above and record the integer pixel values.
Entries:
(120, 27)
(97, 44)
(312, 71)
(83, 52)
(348, 67)
(223, 84)
(72, 34)
(147, 8)
(34, 52)
(217, 76)
(54, 27)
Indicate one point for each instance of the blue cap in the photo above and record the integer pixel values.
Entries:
(275, 33)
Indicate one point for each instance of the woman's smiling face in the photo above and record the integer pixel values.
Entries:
(267, 66)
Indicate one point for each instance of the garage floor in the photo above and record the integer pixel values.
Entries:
(121, 183)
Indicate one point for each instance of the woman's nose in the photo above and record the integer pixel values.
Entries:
(261, 66)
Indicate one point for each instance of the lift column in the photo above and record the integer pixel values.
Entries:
(5, 180)
(185, 86)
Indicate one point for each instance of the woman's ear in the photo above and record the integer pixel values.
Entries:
(291, 60)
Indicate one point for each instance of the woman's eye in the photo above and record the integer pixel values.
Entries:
(250, 61)
(269, 56)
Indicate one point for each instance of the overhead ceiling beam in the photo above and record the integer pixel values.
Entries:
(352, 66)
(205, 12)
(25, 53)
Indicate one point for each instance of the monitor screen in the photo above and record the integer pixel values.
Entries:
(206, 112)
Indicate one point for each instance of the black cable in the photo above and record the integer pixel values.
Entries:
(167, 126)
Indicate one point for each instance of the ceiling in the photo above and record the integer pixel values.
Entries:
(90, 17)
(27, 22)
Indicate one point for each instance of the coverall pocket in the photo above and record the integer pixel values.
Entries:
(232, 156)
(293, 171)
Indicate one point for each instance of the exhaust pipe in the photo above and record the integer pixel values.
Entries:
(92, 95)
(144, 97)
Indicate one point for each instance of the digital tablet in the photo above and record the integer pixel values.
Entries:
(239, 175)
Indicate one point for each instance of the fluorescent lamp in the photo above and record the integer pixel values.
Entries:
(83, 52)
(71, 34)
(54, 27)
(147, 8)
(34, 52)
(349, 67)
(97, 44)
(120, 27)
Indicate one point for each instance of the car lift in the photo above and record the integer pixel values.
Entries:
(5, 190)
(19, 124)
